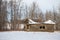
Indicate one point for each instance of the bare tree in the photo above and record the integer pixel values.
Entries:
(19, 8)
(49, 15)
(0, 14)
(11, 13)
(35, 12)
(3, 14)
(40, 17)
(0, 4)
(58, 19)
(15, 13)
(31, 12)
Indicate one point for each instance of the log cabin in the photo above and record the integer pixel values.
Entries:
(48, 26)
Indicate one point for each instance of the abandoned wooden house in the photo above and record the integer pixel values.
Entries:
(47, 26)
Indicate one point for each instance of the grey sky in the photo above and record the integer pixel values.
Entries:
(44, 4)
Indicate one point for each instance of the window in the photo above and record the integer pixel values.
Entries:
(42, 27)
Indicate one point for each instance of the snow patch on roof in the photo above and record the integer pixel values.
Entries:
(49, 22)
(32, 22)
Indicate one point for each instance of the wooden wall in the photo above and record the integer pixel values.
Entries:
(40, 27)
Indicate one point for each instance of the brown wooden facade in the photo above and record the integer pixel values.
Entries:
(40, 27)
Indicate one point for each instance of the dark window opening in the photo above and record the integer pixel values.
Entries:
(42, 27)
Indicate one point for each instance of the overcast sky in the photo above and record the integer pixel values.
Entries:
(44, 4)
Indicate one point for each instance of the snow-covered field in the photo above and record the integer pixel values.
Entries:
(21, 35)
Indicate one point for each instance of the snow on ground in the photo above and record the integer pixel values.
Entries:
(19, 35)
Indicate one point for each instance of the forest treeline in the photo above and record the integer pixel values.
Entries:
(14, 13)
